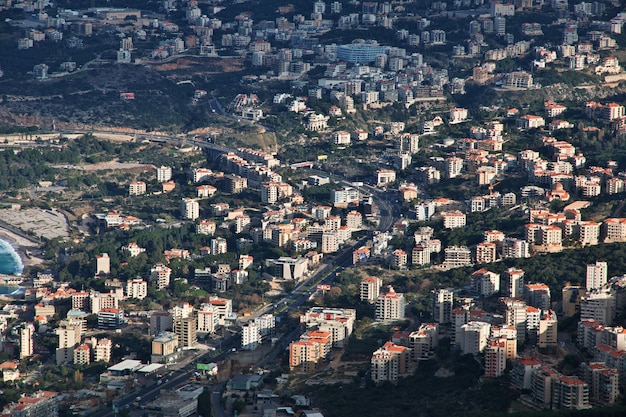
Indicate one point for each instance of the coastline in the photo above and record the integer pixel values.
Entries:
(21, 245)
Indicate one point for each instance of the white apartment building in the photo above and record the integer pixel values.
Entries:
(389, 362)
(137, 288)
(269, 192)
(161, 274)
(495, 358)
(189, 209)
(385, 177)
(599, 305)
(457, 256)
(457, 115)
(485, 283)
(133, 249)
(597, 275)
(516, 315)
(206, 227)
(370, 289)
(443, 300)
(390, 306)
(615, 230)
(103, 264)
(344, 196)
(453, 166)
(219, 246)
(338, 322)
(207, 319)
(69, 334)
(250, 336)
(399, 259)
(27, 330)
(330, 242)
(341, 138)
(137, 188)
(202, 175)
(474, 337)
(420, 254)
(424, 341)
(515, 248)
(102, 350)
(163, 174)
(588, 233)
(354, 220)
(453, 219)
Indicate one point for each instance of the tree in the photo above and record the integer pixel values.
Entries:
(204, 404)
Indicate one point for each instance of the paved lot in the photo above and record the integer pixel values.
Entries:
(45, 223)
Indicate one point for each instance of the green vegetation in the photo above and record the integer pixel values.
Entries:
(422, 394)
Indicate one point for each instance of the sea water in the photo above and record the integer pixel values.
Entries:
(10, 261)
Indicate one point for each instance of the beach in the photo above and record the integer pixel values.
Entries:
(21, 245)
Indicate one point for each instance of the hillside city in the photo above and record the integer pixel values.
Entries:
(242, 208)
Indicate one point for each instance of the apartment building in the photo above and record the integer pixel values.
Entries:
(82, 354)
(442, 303)
(485, 283)
(385, 177)
(420, 254)
(161, 321)
(189, 209)
(547, 332)
(26, 331)
(163, 174)
(423, 341)
(537, 295)
(186, 330)
(571, 296)
(457, 256)
(453, 219)
(390, 306)
(515, 314)
(102, 350)
(399, 259)
(69, 334)
(338, 322)
(603, 382)
(110, 318)
(597, 275)
(390, 362)
(598, 305)
(38, 404)
(137, 188)
(543, 380)
(513, 283)
(165, 347)
(530, 122)
(137, 289)
(521, 372)
(370, 289)
(474, 336)
(161, 274)
(614, 230)
(207, 319)
(103, 264)
(570, 393)
(306, 355)
(495, 358)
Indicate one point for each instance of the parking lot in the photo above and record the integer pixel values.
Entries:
(48, 224)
